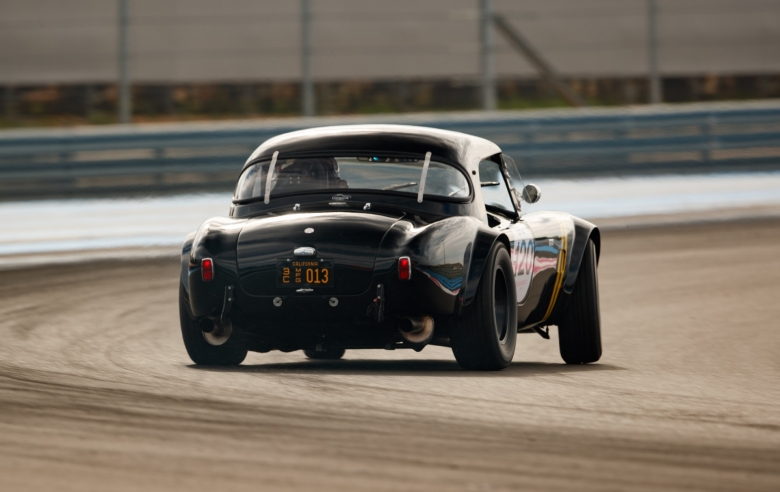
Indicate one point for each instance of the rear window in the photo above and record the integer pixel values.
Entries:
(387, 174)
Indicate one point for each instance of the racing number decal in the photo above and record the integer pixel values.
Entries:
(522, 241)
(524, 254)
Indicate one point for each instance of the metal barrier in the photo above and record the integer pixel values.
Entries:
(563, 142)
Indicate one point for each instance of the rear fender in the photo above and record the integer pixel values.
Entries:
(483, 241)
(447, 258)
(583, 232)
(216, 239)
(185, 261)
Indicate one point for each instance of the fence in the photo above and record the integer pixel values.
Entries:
(170, 158)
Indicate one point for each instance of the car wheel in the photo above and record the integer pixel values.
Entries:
(484, 337)
(327, 354)
(229, 352)
(579, 330)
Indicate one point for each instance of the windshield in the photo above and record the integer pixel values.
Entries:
(495, 192)
(515, 181)
(388, 174)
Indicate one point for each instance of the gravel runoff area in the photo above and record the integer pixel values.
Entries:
(97, 392)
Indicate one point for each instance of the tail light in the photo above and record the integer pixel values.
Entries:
(207, 269)
(404, 268)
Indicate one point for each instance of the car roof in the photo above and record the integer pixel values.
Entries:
(348, 139)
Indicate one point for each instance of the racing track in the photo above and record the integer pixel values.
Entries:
(96, 391)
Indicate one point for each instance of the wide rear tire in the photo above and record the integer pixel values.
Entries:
(231, 353)
(484, 337)
(579, 330)
(327, 354)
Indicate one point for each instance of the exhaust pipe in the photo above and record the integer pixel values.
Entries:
(207, 325)
(214, 332)
(217, 331)
(417, 330)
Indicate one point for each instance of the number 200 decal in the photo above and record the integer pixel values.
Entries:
(522, 260)
(523, 257)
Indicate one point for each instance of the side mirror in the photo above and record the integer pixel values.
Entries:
(531, 193)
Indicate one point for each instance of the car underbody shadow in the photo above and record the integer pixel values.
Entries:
(406, 367)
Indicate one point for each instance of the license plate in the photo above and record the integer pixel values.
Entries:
(294, 272)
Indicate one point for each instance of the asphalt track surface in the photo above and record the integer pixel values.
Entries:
(97, 393)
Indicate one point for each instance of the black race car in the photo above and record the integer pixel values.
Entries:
(387, 237)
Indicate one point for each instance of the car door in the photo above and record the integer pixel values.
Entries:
(503, 214)
(541, 252)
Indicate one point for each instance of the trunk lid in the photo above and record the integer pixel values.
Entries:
(347, 241)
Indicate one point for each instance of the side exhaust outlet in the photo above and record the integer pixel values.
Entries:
(416, 330)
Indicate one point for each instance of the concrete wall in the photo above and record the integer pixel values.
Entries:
(74, 41)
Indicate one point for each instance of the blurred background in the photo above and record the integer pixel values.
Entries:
(621, 108)
(124, 125)
(62, 60)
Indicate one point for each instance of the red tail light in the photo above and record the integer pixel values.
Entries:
(207, 269)
(404, 268)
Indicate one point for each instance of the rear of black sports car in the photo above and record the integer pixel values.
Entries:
(326, 279)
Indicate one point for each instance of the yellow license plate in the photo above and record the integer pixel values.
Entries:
(295, 272)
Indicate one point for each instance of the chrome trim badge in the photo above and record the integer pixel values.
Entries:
(308, 230)
(305, 251)
(340, 197)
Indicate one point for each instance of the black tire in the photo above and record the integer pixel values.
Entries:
(579, 330)
(231, 353)
(484, 337)
(327, 354)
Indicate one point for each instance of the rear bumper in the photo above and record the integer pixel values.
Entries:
(308, 308)
(300, 321)
(292, 320)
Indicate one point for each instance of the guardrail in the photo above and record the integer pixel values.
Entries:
(177, 157)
